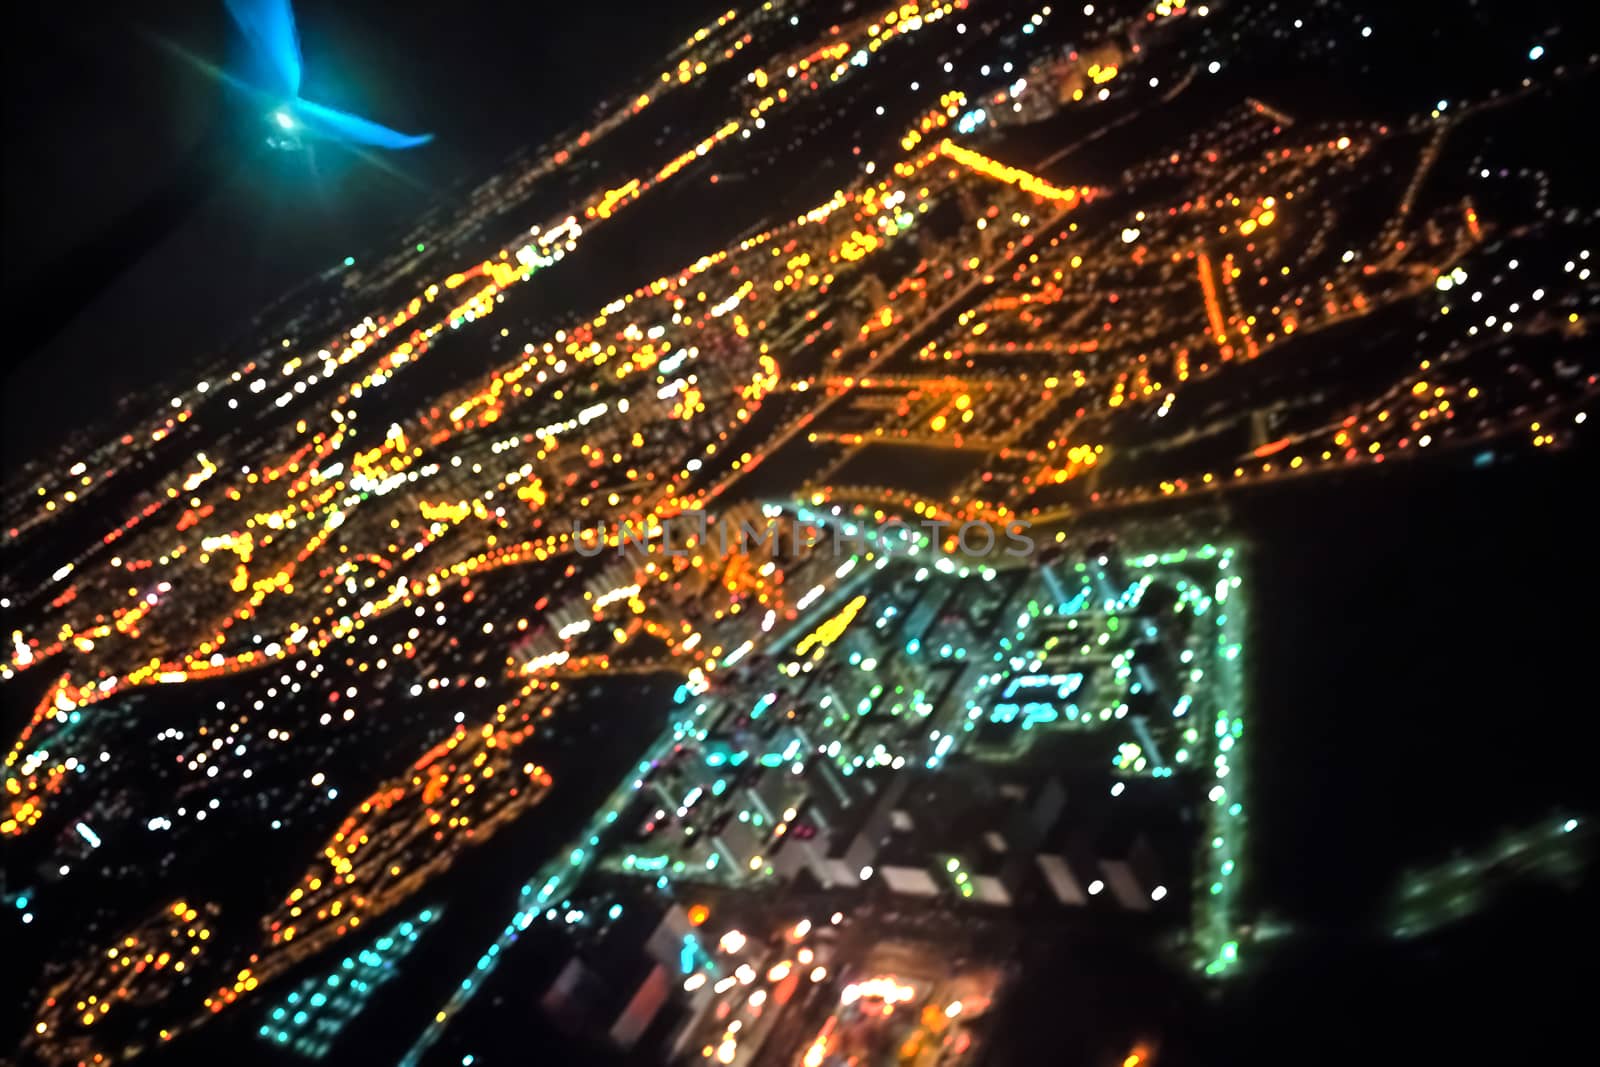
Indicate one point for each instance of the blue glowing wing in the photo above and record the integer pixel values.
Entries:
(339, 125)
(269, 27)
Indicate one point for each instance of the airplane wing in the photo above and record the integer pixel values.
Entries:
(269, 27)
(340, 125)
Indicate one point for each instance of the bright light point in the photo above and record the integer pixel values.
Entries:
(1536, 51)
(1569, 826)
(283, 119)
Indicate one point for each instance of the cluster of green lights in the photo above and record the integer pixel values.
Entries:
(1211, 679)
(1017, 655)
(1014, 652)
(1551, 851)
(1213, 929)
(958, 876)
(1215, 920)
(310, 1018)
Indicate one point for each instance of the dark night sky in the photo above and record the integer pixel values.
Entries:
(100, 118)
